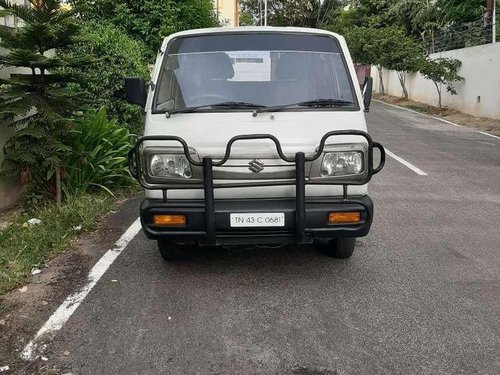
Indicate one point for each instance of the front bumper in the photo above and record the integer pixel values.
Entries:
(315, 223)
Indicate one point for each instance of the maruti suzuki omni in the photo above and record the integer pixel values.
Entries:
(254, 135)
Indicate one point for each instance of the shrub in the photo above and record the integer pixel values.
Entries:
(35, 102)
(97, 156)
(150, 21)
(117, 56)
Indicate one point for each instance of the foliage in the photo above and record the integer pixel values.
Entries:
(37, 104)
(97, 156)
(300, 13)
(23, 247)
(117, 56)
(246, 19)
(388, 48)
(442, 71)
(460, 11)
(402, 54)
(151, 20)
(329, 11)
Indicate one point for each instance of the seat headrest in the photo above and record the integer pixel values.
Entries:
(206, 66)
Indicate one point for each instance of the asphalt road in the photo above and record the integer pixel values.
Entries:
(420, 296)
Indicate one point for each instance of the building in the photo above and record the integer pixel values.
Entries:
(228, 11)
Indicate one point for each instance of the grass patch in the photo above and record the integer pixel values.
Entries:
(23, 247)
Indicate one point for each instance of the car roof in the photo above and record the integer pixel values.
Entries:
(252, 29)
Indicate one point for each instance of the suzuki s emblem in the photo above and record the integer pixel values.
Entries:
(256, 166)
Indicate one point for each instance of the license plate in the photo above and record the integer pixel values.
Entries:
(258, 220)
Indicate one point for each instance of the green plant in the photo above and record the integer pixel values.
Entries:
(97, 156)
(102, 83)
(305, 13)
(37, 103)
(402, 54)
(23, 247)
(442, 71)
(151, 20)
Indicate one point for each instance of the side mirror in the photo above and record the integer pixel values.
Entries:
(367, 93)
(136, 91)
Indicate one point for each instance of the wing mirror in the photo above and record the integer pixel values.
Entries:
(136, 91)
(367, 93)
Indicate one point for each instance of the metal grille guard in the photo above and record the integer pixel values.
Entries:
(300, 181)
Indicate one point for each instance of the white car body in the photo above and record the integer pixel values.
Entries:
(209, 133)
(221, 105)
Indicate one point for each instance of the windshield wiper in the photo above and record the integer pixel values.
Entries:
(318, 103)
(225, 105)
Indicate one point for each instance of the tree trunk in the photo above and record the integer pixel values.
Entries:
(58, 186)
(402, 81)
(439, 94)
(381, 80)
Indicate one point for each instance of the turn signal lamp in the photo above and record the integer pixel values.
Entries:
(344, 217)
(170, 220)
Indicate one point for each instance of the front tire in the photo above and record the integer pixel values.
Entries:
(341, 248)
(170, 251)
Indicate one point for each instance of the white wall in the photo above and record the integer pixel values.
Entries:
(478, 94)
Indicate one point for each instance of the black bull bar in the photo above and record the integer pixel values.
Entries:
(207, 163)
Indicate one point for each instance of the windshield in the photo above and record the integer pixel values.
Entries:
(248, 71)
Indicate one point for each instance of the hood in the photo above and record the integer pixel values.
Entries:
(209, 133)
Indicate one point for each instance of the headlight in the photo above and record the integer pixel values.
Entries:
(342, 163)
(170, 166)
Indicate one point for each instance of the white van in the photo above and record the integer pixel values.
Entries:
(254, 135)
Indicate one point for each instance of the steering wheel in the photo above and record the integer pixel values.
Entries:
(202, 99)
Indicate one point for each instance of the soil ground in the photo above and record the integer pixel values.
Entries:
(489, 125)
(23, 310)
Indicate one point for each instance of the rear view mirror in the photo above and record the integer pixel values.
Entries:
(136, 91)
(367, 93)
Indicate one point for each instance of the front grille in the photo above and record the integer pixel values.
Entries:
(248, 168)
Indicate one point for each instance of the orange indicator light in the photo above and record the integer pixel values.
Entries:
(344, 217)
(170, 220)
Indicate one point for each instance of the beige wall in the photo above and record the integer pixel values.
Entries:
(478, 94)
(228, 12)
(9, 187)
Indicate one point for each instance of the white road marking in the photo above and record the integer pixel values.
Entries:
(405, 163)
(489, 135)
(71, 303)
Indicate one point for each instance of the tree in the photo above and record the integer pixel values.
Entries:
(37, 104)
(370, 46)
(246, 19)
(151, 20)
(442, 71)
(402, 54)
(329, 11)
(460, 11)
(418, 17)
(117, 56)
(300, 13)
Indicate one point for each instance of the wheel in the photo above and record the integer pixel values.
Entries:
(337, 247)
(171, 251)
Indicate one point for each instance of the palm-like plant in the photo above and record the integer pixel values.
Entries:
(420, 17)
(36, 101)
